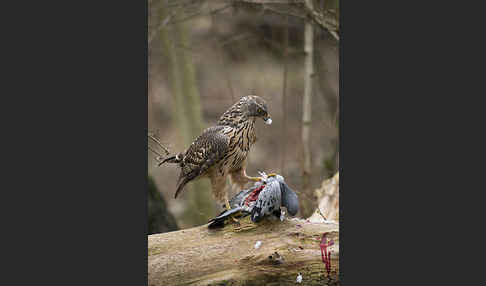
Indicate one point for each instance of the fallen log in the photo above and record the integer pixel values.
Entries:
(232, 256)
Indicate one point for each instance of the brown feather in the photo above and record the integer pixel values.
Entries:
(221, 149)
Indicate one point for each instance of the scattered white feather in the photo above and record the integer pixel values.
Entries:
(282, 216)
(258, 244)
(299, 278)
(269, 121)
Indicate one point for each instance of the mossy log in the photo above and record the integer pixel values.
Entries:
(228, 256)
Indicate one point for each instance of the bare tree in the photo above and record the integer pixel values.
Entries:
(284, 93)
(307, 106)
(188, 110)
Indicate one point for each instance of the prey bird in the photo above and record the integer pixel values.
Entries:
(264, 198)
(222, 150)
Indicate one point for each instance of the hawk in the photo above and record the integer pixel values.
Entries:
(222, 150)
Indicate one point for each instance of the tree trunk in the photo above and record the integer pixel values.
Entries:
(306, 113)
(227, 256)
(284, 94)
(199, 206)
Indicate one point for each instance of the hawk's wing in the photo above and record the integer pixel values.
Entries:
(206, 151)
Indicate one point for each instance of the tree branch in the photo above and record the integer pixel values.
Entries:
(316, 16)
(320, 20)
(167, 20)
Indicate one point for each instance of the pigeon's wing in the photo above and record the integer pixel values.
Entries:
(289, 199)
(238, 199)
(268, 201)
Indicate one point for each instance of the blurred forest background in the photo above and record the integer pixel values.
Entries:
(205, 55)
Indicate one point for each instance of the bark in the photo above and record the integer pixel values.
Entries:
(227, 256)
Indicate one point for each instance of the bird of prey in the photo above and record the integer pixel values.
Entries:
(264, 198)
(222, 150)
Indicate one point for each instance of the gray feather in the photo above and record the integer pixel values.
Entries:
(268, 201)
(275, 194)
(289, 199)
(237, 200)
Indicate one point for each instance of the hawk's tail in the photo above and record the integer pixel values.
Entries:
(172, 159)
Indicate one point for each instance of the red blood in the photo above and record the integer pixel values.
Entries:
(254, 195)
(325, 254)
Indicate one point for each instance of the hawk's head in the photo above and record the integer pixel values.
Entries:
(248, 107)
(255, 106)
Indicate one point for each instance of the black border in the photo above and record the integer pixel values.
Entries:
(77, 161)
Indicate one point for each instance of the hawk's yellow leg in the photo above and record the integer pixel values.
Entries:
(258, 179)
(228, 206)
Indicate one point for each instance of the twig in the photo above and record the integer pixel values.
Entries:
(178, 9)
(167, 21)
(319, 19)
(318, 211)
(167, 152)
(200, 13)
(159, 156)
(239, 37)
(266, 8)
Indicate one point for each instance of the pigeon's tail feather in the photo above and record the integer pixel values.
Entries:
(219, 220)
(289, 199)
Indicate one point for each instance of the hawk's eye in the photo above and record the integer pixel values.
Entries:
(260, 110)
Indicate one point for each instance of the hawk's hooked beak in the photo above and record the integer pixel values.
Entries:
(267, 119)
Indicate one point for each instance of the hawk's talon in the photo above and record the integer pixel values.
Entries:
(256, 179)
(228, 207)
(227, 204)
(259, 179)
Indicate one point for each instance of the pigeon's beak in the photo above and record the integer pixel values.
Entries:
(267, 119)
